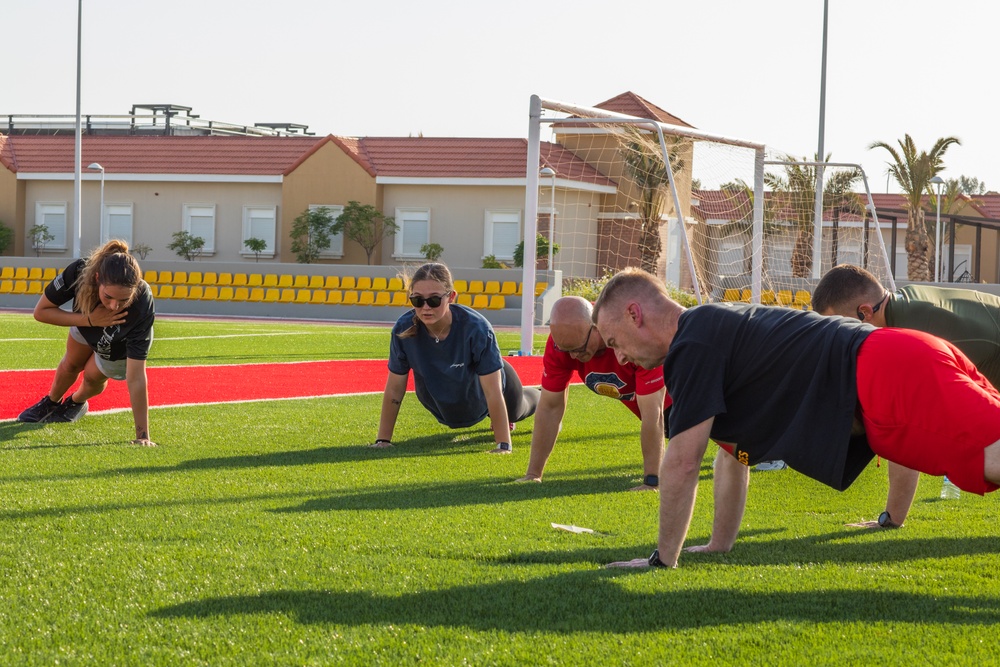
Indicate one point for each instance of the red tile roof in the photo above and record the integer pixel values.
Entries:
(633, 105)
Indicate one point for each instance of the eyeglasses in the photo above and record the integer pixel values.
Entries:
(583, 348)
(876, 307)
(432, 301)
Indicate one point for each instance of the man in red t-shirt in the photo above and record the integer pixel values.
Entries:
(575, 346)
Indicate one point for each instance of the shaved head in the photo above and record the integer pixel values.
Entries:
(571, 328)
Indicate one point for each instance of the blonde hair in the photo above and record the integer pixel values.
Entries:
(435, 271)
(112, 265)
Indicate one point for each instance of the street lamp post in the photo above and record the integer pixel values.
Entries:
(97, 167)
(938, 182)
(551, 173)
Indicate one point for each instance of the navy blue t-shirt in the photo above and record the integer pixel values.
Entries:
(446, 374)
(781, 384)
(129, 340)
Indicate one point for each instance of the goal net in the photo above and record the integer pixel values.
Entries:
(720, 218)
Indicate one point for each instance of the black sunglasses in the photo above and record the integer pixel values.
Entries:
(876, 307)
(432, 301)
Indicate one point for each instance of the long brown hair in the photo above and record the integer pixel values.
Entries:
(113, 265)
(431, 271)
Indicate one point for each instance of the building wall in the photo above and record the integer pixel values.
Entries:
(12, 208)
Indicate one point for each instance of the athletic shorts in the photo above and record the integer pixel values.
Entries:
(112, 369)
(926, 406)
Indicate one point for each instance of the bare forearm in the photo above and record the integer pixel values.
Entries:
(902, 488)
(390, 412)
(139, 398)
(543, 440)
(730, 493)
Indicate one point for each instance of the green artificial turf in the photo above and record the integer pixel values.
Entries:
(266, 534)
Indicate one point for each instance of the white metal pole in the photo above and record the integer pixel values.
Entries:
(937, 265)
(552, 224)
(757, 239)
(102, 201)
(78, 145)
(820, 157)
(530, 225)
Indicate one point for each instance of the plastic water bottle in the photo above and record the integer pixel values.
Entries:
(949, 491)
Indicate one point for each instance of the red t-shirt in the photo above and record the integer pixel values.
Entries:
(603, 375)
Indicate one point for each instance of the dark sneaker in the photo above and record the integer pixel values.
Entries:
(68, 411)
(39, 411)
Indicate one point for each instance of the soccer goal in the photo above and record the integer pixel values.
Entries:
(718, 217)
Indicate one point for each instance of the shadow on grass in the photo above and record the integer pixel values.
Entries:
(594, 602)
(11, 432)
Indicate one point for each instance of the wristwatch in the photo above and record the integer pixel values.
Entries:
(654, 559)
(885, 521)
(651, 480)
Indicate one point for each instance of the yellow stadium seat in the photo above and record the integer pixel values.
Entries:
(461, 286)
(181, 292)
(364, 283)
(480, 301)
(767, 298)
(301, 281)
(209, 278)
(149, 276)
(350, 298)
(509, 288)
(285, 295)
(194, 278)
(241, 294)
(35, 287)
(475, 287)
(7, 273)
(785, 297)
(180, 277)
(380, 283)
(399, 299)
(315, 282)
(540, 287)
(271, 280)
(273, 295)
(21, 273)
(20, 287)
(165, 277)
(746, 295)
(35, 273)
(303, 296)
(802, 300)
(465, 300)
(196, 292)
(254, 280)
(382, 298)
(347, 282)
(492, 287)
(7, 286)
(366, 298)
(284, 280)
(256, 294)
(154, 289)
(318, 296)
(731, 294)
(50, 274)
(166, 292)
(226, 293)
(497, 302)
(241, 280)
(334, 297)
(211, 293)
(224, 280)
(332, 282)
(395, 284)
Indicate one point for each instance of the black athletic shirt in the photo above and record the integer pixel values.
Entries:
(129, 340)
(780, 383)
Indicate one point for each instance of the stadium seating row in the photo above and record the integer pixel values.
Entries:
(24, 273)
(800, 299)
(313, 296)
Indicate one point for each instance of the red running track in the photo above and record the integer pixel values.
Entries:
(187, 385)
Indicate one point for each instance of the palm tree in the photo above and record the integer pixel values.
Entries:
(795, 197)
(913, 172)
(644, 163)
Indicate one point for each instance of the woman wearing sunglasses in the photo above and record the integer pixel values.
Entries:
(458, 372)
(110, 331)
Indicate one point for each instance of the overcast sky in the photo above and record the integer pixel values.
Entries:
(467, 67)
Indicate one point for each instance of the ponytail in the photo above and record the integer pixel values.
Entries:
(113, 265)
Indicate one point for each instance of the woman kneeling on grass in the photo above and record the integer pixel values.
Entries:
(110, 331)
(458, 373)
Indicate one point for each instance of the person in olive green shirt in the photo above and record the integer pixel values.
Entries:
(967, 318)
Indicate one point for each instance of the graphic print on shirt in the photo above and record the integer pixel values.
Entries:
(108, 337)
(608, 384)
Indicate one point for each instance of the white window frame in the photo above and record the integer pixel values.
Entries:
(190, 210)
(491, 220)
(336, 249)
(410, 214)
(120, 208)
(272, 242)
(43, 208)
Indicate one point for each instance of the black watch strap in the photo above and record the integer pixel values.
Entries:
(651, 480)
(885, 521)
(654, 559)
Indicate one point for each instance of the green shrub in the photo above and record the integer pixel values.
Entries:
(590, 289)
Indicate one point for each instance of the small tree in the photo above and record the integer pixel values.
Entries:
(365, 225)
(311, 234)
(186, 245)
(40, 236)
(256, 246)
(541, 250)
(6, 237)
(491, 262)
(141, 249)
(432, 251)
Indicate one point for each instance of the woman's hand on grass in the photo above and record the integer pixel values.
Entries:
(145, 442)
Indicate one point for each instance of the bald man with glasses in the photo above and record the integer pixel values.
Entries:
(575, 346)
